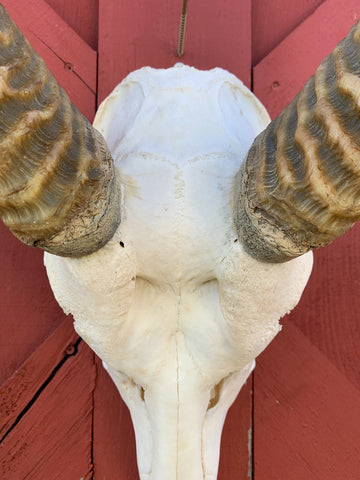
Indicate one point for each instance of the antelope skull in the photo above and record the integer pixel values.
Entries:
(178, 258)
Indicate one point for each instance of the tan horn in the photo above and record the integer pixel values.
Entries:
(299, 187)
(58, 186)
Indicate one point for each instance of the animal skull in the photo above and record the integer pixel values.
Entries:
(178, 260)
(173, 304)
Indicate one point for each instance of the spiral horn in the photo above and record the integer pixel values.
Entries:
(58, 187)
(299, 187)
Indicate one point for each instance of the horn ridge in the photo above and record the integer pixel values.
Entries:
(58, 185)
(314, 195)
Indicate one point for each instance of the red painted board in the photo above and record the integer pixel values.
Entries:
(114, 447)
(134, 34)
(306, 414)
(68, 57)
(81, 16)
(28, 310)
(53, 439)
(285, 17)
(19, 390)
(236, 441)
(282, 73)
(329, 311)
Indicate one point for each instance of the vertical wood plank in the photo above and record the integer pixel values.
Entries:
(81, 16)
(134, 34)
(114, 438)
(236, 444)
(307, 415)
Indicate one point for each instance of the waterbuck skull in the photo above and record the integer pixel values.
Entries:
(178, 258)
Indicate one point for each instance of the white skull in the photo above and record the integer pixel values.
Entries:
(173, 305)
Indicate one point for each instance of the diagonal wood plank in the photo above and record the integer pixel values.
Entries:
(328, 312)
(70, 59)
(81, 15)
(307, 415)
(53, 439)
(285, 17)
(28, 311)
(114, 438)
(19, 390)
(282, 73)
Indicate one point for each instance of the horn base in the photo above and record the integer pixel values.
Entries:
(75, 240)
(262, 239)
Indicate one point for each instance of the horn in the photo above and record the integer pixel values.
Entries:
(58, 187)
(299, 187)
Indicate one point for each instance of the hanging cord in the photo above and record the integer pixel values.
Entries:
(180, 51)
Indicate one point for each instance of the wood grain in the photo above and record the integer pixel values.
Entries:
(236, 441)
(53, 439)
(19, 390)
(306, 416)
(282, 73)
(329, 311)
(81, 16)
(285, 17)
(69, 58)
(28, 310)
(134, 34)
(306, 413)
(114, 439)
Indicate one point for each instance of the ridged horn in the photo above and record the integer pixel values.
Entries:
(299, 187)
(58, 187)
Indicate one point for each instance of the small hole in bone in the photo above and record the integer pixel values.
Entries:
(122, 244)
(235, 240)
(142, 394)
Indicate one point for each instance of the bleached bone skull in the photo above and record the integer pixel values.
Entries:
(173, 304)
(178, 260)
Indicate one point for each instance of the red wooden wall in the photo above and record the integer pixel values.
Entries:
(298, 417)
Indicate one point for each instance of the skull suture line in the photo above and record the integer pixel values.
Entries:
(168, 297)
(173, 304)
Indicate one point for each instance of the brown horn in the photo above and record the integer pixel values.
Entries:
(58, 186)
(299, 187)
